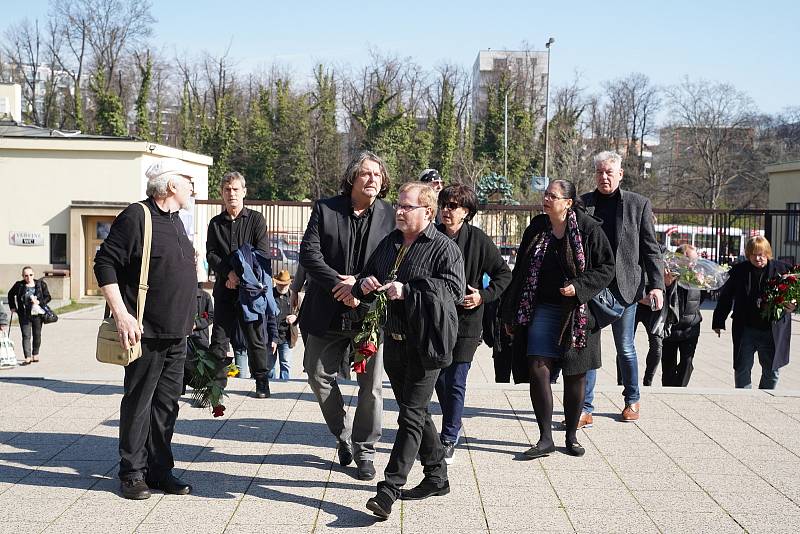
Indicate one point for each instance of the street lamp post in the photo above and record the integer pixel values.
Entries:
(547, 109)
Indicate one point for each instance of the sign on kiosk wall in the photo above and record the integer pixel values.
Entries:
(26, 239)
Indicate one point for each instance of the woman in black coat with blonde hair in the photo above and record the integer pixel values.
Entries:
(564, 260)
(26, 298)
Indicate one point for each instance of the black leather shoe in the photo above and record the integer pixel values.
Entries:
(345, 451)
(171, 485)
(575, 449)
(262, 388)
(366, 469)
(424, 490)
(135, 489)
(380, 505)
(535, 452)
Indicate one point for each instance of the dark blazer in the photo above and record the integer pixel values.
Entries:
(324, 254)
(598, 274)
(638, 253)
(481, 255)
(435, 330)
(733, 295)
(16, 297)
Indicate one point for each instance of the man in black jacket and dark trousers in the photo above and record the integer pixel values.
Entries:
(153, 382)
(341, 234)
(414, 252)
(227, 232)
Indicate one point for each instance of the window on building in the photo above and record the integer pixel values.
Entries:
(793, 221)
(58, 249)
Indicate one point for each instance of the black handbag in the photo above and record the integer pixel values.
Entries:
(605, 308)
(49, 315)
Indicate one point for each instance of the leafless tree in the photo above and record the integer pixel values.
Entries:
(711, 142)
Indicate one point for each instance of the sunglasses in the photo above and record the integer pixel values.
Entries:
(451, 205)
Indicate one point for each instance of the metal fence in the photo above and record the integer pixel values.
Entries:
(719, 235)
(286, 223)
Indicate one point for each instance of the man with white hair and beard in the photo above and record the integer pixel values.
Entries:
(153, 383)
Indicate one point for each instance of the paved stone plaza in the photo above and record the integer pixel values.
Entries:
(704, 459)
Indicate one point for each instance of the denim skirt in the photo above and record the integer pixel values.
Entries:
(543, 331)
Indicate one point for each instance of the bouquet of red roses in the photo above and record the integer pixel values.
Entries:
(367, 341)
(782, 294)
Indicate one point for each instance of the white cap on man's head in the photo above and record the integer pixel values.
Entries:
(168, 166)
(429, 175)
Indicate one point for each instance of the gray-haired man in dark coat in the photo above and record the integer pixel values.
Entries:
(628, 223)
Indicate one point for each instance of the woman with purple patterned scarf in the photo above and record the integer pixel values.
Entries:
(564, 260)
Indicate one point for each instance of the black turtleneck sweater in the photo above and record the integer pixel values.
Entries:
(606, 210)
(172, 279)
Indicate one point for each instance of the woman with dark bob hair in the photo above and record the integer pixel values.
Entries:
(458, 204)
(564, 260)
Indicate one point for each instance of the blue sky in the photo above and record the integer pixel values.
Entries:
(753, 46)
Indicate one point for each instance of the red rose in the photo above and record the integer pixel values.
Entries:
(778, 300)
(791, 278)
(218, 411)
(367, 348)
(360, 367)
(204, 315)
(782, 288)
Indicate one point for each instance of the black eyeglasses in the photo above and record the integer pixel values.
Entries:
(451, 205)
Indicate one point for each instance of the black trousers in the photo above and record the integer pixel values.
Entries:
(31, 329)
(413, 387)
(676, 373)
(149, 408)
(654, 343)
(227, 318)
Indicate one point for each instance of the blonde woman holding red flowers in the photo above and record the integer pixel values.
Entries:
(752, 330)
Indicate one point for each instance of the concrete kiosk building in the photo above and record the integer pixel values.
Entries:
(62, 190)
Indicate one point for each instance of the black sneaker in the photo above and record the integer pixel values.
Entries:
(449, 451)
(366, 469)
(380, 505)
(171, 485)
(345, 451)
(262, 388)
(135, 489)
(425, 489)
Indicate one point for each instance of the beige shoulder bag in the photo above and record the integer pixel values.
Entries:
(109, 349)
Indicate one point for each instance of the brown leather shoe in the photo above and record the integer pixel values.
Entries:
(630, 413)
(585, 421)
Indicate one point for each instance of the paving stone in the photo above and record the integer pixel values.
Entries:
(600, 521)
(768, 523)
(687, 501)
(682, 522)
(458, 518)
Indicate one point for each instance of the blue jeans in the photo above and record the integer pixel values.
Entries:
(282, 356)
(451, 387)
(623, 329)
(242, 362)
(755, 340)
